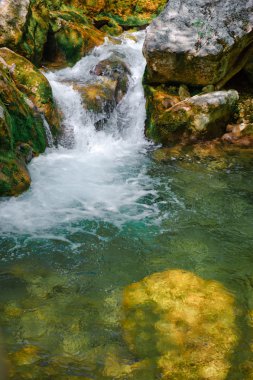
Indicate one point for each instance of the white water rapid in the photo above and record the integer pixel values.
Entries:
(92, 175)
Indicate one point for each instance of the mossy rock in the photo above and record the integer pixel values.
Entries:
(70, 39)
(25, 122)
(98, 97)
(22, 133)
(183, 323)
(33, 84)
(114, 69)
(14, 177)
(158, 100)
(107, 25)
(200, 117)
(5, 128)
(35, 34)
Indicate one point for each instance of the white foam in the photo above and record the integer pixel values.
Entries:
(103, 174)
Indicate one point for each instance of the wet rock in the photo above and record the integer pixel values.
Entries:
(200, 117)
(25, 151)
(184, 324)
(116, 70)
(104, 94)
(158, 100)
(99, 97)
(14, 176)
(30, 81)
(199, 43)
(20, 123)
(239, 135)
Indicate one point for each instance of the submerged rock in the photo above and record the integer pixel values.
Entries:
(198, 117)
(199, 43)
(184, 324)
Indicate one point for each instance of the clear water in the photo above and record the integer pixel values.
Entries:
(102, 214)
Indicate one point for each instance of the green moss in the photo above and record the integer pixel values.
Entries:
(70, 43)
(29, 129)
(35, 35)
(45, 93)
(14, 177)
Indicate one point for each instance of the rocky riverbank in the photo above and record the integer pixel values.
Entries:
(56, 34)
(199, 72)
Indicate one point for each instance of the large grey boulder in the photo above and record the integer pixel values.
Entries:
(13, 17)
(198, 117)
(199, 42)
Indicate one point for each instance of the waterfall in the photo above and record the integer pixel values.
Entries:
(91, 174)
(50, 139)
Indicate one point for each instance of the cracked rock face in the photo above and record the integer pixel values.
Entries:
(199, 42)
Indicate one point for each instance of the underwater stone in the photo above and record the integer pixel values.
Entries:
(184, 323)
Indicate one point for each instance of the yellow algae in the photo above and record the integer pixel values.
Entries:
(26, 356)
(184, 323)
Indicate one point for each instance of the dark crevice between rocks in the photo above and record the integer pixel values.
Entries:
(50, 48)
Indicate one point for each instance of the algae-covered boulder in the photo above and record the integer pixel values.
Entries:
(33, 84)
(199, 42)
(24, 120)
(198, 117)
(14, 176)
(107, 89)
(116, 70)
(41, 29)
(22, 132)
(185, 324)
(35, 32)
(71, 37)
(158, 100)
(99, 97)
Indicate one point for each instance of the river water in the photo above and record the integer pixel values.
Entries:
(101, 214)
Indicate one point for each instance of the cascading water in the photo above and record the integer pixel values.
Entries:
(92, 174)
(102, 214)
